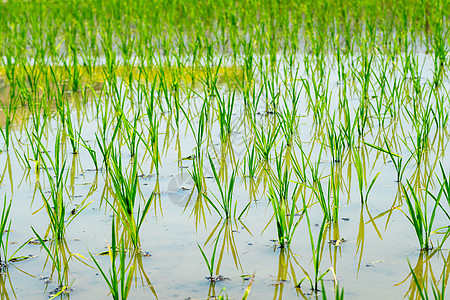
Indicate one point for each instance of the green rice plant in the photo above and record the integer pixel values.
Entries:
(316, 248)
(300, 167)
(445, 187)
(314, 168)
(318, 103)
(360, 172)
(224, 114)
(418, 213)
(264, 140)
(89, 60)
(361, 118)
(363, 77)
(338, 294)
(106, 145)
(54, 203)
(129, 131)
(396, 159)
(152, 145)
(284, 216)
(284, 212)
(60, 263)
(334, 185)
(225, 201)
(251, 162)
(335, 140)
(200, 132)
(35, 148)
(9, 110)
(422, 127)
(92, 152)
(210, 263)
(440, 114)
(288, 121)
(125, 188)
(271, 87)
(117, 279)
(323, 199)
(5, 229)
(347, 129)
(72, 132)
(197, 173)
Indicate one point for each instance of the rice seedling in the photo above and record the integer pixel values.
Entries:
(338, 294)
(284, 212)
(54, 204)
(60, 263)
(106, 145)
(130, 131)
(5, 228)
(316, 248)
(197, 174)
(119, 277)
(224, 114)
(288, 123)
(251, 162)
(360, 171)
(396, 159)
(125, 188)
(153, 145)
(418, 214)
(335, 141)
(9, 110)
(72, 132)
(210, 263)
(92, 152)
(264, 140)
(225, 201)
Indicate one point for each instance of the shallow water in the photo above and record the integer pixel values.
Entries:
(371, 262)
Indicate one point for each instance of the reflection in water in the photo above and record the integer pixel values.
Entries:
(8, 171)
(285, 273)
(422, 274)
(228, 227)
(5, 281)
(334, 243)
(198, 209)
(59, 255)
(361, 232)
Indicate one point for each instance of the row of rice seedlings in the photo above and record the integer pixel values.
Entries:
(231, 27)
(285, 130)
(360, 181)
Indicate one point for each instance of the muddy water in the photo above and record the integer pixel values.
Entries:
(370, 261)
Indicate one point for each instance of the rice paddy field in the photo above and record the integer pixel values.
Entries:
(224, 149)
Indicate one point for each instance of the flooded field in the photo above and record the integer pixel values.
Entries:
(219, 150)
